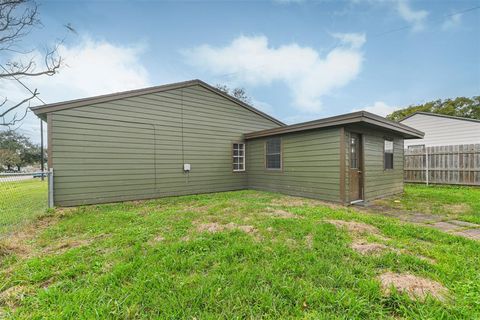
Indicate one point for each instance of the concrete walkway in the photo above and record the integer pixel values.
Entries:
(442, 223)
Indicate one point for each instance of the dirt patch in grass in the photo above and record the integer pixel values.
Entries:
(8, 248)
(158, 238)
(196, 208)
(415, 287)
(355, 227)
(457, 208)
(66, 245)
(12, 296)
(18, 242)
(289, 201)
(282, 214)
(309, 241)
(213, 227)
(366, 248)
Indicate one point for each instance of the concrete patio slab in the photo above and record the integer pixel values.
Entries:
(473, 234)
(464, 224)
(446, 226)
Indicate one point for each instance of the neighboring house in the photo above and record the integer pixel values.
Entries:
(189, 137)
(442, 130)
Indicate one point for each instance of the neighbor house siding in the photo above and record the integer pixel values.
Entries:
(310, 165)
(135, 147)
(442, 131)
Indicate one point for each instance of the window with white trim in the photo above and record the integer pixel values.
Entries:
(238, 157)
(273, 153)
(388, 154)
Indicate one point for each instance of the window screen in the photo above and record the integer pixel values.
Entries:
(238, 157)
(388, 154)
(273, 157)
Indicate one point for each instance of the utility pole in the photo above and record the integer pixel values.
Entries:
(42, 163)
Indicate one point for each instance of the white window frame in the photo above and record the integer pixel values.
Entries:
(390, 140)
(238, 156)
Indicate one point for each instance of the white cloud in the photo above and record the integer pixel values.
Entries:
(355, 40)
(452, 22)
(250, 60)
(414, 17)
(380, 108)
(92, 68)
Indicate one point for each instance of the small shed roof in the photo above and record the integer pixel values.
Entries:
(344, 119)
(41, 111)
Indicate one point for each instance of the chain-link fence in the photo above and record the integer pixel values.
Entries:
(23, 197)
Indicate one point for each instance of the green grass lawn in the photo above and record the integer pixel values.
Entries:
(243, 254)
(458, 202)
(21, 202)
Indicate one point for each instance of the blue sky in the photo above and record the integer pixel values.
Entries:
(298, 60)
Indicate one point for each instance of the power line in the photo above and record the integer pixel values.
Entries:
(339, 43)
(438, 19)
(34, 93)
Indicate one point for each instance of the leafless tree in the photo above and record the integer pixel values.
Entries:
(239, 93)
(17, 19)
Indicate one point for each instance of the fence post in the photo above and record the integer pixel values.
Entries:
(50, 188)
(426, 162)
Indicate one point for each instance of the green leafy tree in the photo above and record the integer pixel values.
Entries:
(27, 152)
(458, 107)
(8, 159)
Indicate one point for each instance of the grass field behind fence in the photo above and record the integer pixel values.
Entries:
(21, 202)
(230, 255)
(462, 203)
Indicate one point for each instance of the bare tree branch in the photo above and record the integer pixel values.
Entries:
(17, 19)
(2, 115)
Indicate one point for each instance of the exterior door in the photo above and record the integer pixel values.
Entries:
(355, 167)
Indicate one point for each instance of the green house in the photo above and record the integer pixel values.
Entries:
(190, 137)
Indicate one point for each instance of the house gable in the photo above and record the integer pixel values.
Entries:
(443, 130)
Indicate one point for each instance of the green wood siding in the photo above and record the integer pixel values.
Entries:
(380, 182)
(134, 148)
(377, 181)
(310, 165)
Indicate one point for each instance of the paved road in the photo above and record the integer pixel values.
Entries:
(14, 178)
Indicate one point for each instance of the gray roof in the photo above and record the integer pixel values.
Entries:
(439, 115)
(349, 118)
(41, 111)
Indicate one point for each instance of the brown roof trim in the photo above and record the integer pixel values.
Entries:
(439, 115)
(41, 110)
(349, 118)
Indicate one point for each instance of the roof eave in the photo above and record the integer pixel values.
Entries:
(350, 118)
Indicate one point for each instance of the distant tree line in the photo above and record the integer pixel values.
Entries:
(458, 107)
(17, 151)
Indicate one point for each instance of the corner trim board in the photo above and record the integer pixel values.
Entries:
(342, 165)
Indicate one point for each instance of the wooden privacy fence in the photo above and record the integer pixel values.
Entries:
(456, 164)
